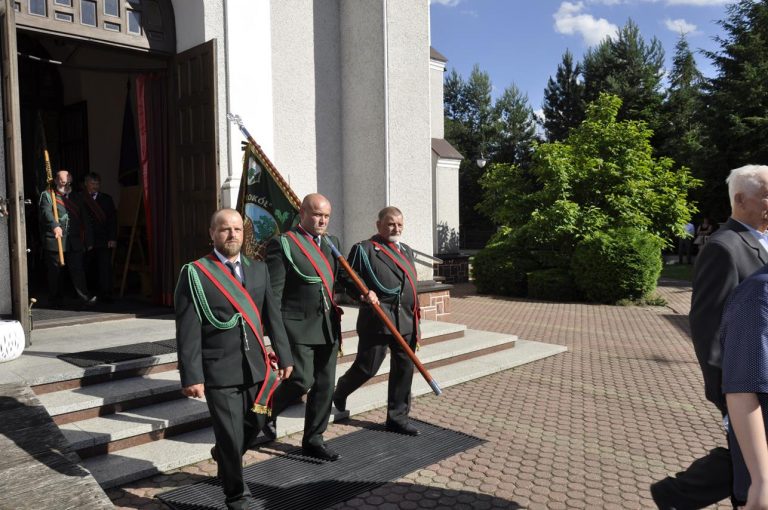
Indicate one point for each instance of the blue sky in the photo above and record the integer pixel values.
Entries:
(522, 41)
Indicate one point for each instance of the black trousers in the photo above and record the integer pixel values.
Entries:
(234, 426)
(371, 352)
(99, 262)
(314, 371)
(705, 482)
(74, 262)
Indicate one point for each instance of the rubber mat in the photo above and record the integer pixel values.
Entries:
(85, 359)
(370, 457)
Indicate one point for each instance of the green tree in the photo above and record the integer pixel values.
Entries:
(563, 100)
(630, 68)
(469, 125)
(515, 128)
(736, 100)
(681, 129)
(604, 176)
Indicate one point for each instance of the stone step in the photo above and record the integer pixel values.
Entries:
(84, 402)
(106, 434)
(58, 375)
(148, 459)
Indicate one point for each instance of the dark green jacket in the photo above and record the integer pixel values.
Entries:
(217, 357)
(306, 317)
(390, 276)
(77, 233)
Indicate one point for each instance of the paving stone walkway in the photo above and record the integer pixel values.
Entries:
(590, 428)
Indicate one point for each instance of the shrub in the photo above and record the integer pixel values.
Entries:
(554, 284)
(501, 269)
(617, 264)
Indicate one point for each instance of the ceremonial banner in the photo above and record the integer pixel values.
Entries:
(265, 203)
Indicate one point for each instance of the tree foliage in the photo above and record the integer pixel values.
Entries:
(630, 68)
(681, 130)
(475, 125)
(563, 106)
(603, 176)
(736, 111)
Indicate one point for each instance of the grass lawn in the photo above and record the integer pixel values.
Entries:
(677, 272)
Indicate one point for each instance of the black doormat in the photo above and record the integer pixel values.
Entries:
(370, 457)
(85, 359)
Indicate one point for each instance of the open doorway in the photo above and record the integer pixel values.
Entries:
(97, 108)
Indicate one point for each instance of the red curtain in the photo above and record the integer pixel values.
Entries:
(154, 174)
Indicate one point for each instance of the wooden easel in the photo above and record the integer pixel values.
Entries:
(129, 214)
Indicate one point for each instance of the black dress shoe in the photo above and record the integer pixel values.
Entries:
(659, 493)
(270, 430)
(215, 457)
(339, 402)
(406, 429)
(321, 452)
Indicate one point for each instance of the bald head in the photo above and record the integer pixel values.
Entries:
(315, 214)
(226, 232)
(63, 181)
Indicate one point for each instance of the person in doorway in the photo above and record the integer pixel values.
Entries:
(222, 300)
(76, 236)
(100, 212)
(387, 266)
(732, 253)
(303, 272)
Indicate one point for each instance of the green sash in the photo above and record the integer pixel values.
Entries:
(402, 262)
(319, 262)
(247, 313)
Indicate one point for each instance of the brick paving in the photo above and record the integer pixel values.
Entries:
(590, 428)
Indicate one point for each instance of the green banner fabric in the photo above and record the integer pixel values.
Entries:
(264, 204)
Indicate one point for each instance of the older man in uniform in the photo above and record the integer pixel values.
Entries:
(75, 233)
(303, 273)
(387, 266)
(223, 301)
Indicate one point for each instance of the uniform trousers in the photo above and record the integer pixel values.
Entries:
(234, 426)
(74, 262)
(371, 352)
(99, 261)
(314, 371)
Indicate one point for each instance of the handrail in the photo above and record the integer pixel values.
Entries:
(430, 257)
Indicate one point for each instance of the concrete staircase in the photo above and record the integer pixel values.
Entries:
(129, 420)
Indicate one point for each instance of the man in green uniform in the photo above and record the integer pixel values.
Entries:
(387, 266)
(223, 304)
(303, 272)
(75, 233)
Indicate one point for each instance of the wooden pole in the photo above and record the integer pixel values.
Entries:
(49, 175)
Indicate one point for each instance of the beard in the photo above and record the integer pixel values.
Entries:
(230, 248)
(394, 239)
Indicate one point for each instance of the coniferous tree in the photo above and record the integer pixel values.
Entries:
(516, 128)
(630, 69)
(681, 131)
(736, 100)
(563, 100)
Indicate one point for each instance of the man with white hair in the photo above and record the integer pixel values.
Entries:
(734, 252)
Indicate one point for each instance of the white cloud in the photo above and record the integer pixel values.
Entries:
(680, 26)
(570, 20)
(447, 3)
(694, 3)
(698, 3)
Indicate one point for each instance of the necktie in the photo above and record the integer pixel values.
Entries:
(231, 266)
(317, 240)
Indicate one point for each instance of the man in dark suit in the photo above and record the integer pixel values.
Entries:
(735, 251)
(75, 233)
(222, 300)
(387, 267)
(100, 212)
(303, 272)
